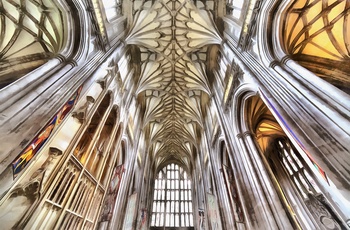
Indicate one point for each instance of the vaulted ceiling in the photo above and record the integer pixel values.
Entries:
(172, 37)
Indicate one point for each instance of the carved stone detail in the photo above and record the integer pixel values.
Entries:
(322, 212)
(102, 82)
(251, 24)
(113, 68)
(81, 112)
(236, 74)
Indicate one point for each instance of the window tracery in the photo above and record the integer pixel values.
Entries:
(295, 170)
(172, 198)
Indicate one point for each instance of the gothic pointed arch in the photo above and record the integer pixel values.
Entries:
(289, 167)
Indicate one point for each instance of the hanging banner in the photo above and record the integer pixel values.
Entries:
(213, 212)
(109, 203)
(33, 148)
(144, 217)
(233, 193)
(130, 213)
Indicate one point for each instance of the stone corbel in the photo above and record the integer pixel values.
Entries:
(102, 82)
(81, 112)
(322, 212)
(112, 68)
(32, 188)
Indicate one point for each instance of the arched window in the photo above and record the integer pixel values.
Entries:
(295, 169)
(31, 33)
(315, 34)
(172, 198)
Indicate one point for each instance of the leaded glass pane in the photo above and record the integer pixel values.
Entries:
(168, 206)
(172, 220)
(161, 223)
(154, 207)
(167, 219)
(285, 163)
(153, 220)
(183, 220)
(172, 207)
(177, 220)
(296, 158)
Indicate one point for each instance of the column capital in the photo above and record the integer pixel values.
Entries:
(247, 133)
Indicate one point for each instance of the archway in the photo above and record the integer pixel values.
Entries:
(303, 200)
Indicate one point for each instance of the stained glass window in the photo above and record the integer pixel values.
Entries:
(173, 208)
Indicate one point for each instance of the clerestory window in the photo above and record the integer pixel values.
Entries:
(296, 171)
(172, 198)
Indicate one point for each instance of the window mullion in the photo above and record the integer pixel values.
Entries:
(172, 203)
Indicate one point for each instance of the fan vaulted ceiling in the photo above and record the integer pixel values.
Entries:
(173, 36)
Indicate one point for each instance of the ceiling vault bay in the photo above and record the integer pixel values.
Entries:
(173, 37)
